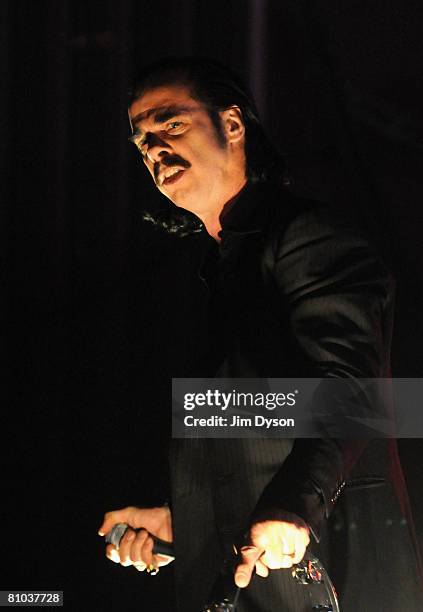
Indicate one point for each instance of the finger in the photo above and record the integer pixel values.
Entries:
(138, 543)
(125, 547)
(261, 569)
(299, 554)
(288, 543)
(163, 560)
(301, 542)
(280, 554)
(288, 547)
(275, 560)
(304, 533)
(116, 516)
(112, 553)
(245, 569)
(147, 552)
(286, 561)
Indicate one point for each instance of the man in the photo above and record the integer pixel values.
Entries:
(291, 290)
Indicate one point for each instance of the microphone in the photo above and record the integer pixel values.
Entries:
(160, 547)
(225, 593)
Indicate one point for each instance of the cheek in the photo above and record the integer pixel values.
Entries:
(213, 155)
(209, 161)
(204, 152)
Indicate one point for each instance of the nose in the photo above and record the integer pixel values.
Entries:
(156, 147)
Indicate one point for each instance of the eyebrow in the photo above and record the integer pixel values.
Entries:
(161, 114)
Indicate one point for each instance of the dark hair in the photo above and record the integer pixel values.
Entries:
(218, 88)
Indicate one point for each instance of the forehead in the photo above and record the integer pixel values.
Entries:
(154, 100)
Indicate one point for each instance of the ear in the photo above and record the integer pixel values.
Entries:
(233, 124)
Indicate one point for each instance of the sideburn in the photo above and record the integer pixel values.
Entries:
(217, 123)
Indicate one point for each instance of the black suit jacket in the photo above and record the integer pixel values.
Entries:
(292, 290)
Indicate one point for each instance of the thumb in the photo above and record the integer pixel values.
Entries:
(244, 571)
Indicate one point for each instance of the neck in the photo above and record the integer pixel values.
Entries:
(213, 219)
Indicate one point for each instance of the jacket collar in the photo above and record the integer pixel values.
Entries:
(248, 213)
(246, 218)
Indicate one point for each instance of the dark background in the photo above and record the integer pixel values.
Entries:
(100, 312)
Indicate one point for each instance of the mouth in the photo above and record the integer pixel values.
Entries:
(171, 175)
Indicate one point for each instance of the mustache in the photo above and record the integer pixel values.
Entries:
(168, 162)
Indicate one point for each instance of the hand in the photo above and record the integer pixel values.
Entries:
(136, 548)
(273, 544)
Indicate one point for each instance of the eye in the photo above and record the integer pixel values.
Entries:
(174, 126)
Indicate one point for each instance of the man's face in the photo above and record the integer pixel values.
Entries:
(182, 150)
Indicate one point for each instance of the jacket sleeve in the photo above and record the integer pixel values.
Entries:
(338, 297)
